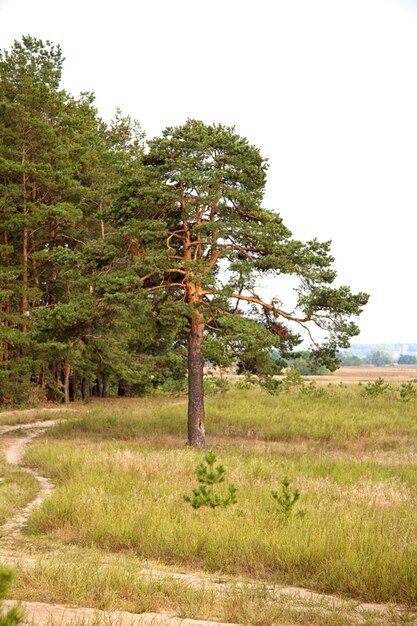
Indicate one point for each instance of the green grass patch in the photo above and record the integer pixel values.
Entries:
(28, 416)
(127, 419)
(358, 537)
(121, 468)
(17, 488)
(338, 417)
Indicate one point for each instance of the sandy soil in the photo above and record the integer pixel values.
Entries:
(43, 614)
(14, 453)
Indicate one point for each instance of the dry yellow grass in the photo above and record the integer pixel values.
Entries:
(390, 373)
(121, 468)
(395, 374)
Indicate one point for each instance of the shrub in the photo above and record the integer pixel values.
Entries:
(312, 390)
(245, 384)
(16, 615)
(292, 381)
(286, 499)
(407, 391)
(271, 385)
(376, 388)
(209, 475)
(216, 384)
(173, 385)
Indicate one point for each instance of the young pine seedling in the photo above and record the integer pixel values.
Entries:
(16, 615)
(286, 499)
(407, 391)
(376, 388)
(209, 475)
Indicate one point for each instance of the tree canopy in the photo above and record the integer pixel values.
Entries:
(58, 165)
(123, 263)
(407, 359)
(379, 357)
(196, 226)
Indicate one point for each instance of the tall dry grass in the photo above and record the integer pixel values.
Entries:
(358, 537)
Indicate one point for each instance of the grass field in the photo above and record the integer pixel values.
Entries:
(350, 375)
(122, 468)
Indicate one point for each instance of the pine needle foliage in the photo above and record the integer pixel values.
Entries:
(209, 475)
(286, 499)
(407, 391)
(16, 615)
(376, 388)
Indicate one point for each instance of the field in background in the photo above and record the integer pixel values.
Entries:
(348, 375)
(390, 373)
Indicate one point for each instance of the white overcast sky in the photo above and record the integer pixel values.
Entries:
(327, 89)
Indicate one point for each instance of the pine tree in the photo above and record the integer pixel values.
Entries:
(201, 234)
(30, 189)
(58, 166)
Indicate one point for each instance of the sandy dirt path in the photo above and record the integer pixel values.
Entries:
(14, 453)
(43, 614)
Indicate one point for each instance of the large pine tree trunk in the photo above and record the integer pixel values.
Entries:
(85, 390)
(25, 285)
(25, 247)
(67, 374)
(196, 431)
(96, 392)
(7, 310)
(74, 386)
(7, 324)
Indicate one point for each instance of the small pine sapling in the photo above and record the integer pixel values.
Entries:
(407, 391)
(16, 615)
(286, 499)
(376, 388)
(208, 476)
(292, 381)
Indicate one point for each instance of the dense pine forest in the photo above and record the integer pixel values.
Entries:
(69, 326)
(125, 263)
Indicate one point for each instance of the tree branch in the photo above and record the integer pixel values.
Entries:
(167, 286)
(269, 307)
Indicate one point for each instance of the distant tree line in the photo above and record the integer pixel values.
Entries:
(305, 363)
(376, 357)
